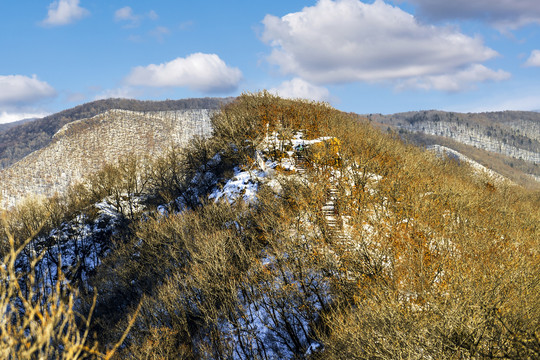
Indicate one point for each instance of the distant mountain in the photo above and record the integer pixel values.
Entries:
(507, 142)
(7, 126)
(44, 156)
(20, 139)
(84, 146)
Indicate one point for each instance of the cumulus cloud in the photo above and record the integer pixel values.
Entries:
(348, 41)
(534, 59)
(63, 12)
(299, 88)
(18, 90)
(461, 80)
(206, 73)
(504, 14)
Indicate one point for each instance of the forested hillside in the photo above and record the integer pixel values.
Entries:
(19, 141)
(510, 140)
(7, 126)
(294, 232)
(83, 147)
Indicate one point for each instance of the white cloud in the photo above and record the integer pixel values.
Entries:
(348, 41)
(153, 15)
(504, 14)
(299, 88)
(461, 80)
(206, 73)
(521, 102)
(159, 33)
(534, 59)
(19, 90)
(7, 117)
(63, 12)
(124, 92)
(126, 14)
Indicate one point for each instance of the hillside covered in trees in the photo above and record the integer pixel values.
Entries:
(83, 147)
(18, 141)
(507, 141)
(295, 231)
(7, 126)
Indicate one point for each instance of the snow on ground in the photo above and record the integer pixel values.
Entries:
(123, 205)
(273, 141)
(479, 168)
(244, 184)
(77, 245)
(264, 329)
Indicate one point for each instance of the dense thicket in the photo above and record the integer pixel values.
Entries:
(420, 258)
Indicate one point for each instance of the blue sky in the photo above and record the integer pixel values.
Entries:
(362, 56)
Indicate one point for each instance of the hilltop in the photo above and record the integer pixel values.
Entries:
(294, 231)
(506, 143)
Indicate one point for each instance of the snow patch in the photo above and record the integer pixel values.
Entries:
(244, 184)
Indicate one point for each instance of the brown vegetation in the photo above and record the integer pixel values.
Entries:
(38, 320)
(422, 259)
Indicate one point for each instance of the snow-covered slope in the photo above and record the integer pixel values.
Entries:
(443, 150)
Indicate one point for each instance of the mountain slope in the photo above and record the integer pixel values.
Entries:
(7, 126)
(515, 135)
(295, 231)
(21, 140)
(84, 146)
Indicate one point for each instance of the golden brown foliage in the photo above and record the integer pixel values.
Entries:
(38, 326)
(379, 251)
